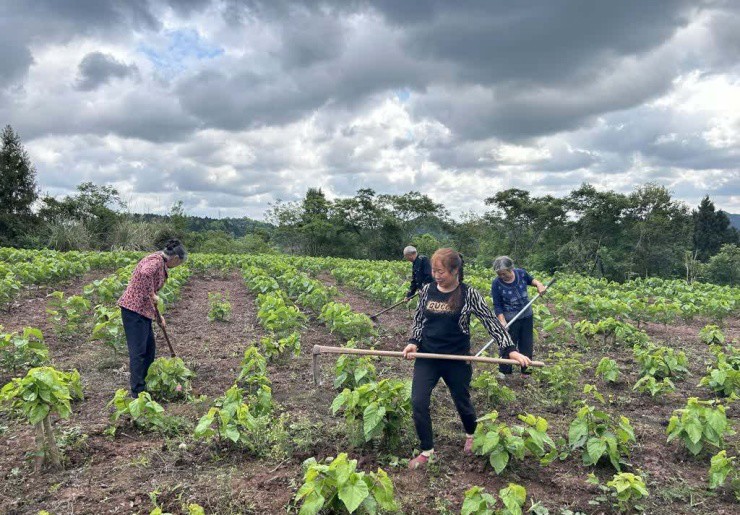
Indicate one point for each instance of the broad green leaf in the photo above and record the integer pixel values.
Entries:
(353, 492)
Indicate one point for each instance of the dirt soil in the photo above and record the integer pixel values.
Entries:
(122, 474)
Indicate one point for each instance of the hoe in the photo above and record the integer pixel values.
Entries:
(547, 286)
(321, 349)
(374, 317)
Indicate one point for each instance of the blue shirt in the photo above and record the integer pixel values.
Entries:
(510, 298)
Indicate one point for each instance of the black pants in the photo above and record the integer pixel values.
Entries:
(457, 376)
(141, 348)
(522, 332)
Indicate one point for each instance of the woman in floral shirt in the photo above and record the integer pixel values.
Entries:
(138, 309)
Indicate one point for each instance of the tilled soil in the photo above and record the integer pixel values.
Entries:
(117, 475)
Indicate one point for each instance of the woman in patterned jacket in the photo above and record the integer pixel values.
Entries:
(442, 325)
(138, 309)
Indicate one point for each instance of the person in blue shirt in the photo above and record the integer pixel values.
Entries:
(509, 294)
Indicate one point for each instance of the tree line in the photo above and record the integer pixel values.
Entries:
(618, 236)
(613, 235)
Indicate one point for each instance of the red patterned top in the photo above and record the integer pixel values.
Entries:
(148, 277)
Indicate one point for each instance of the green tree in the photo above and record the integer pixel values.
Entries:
(18, 190)
(597, 240)
(93, 207)
(660, 230)
(712, 229)
(426, 244)
(534, 227)
(178, 217)
(724, 267)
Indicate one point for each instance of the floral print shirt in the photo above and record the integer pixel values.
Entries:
(147, 279)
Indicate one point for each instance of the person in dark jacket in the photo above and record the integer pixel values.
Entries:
(509, 294)
(442, 325)
(421, 271)
(138, 309)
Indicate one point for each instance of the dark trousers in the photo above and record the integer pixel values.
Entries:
(522, 332)
(457, 376)
(141, 348)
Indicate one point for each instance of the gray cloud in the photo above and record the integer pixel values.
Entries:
(97, 68)
(15, 59)
(257, 100)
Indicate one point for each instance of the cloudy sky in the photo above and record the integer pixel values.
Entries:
(230, 105)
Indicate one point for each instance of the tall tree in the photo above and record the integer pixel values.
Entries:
(659, 233)
(596, 245)
(533, 226)
(92, 209)
(712, 229)
(18, 190)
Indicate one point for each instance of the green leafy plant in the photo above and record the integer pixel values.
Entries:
(712, 335)
(500, 442)
(253, 367)
(246, 426)
(259, 282)
(660, 362)
(10, 286)
(648, 384)
(275, 348)
(25, 350)
(145, 413)
(628, 489)
(353, 371)
(219, 307)
(276, 316)
(600, 435)
(255, 384)
(340, 319)
(108, 329)
(608, 370)
(495, 393)
(44, 391)
(169, 379)
(611, 330)
(699, 425)
(108, 289)
(383, 408)
(720, 469)
(560, 378)
(479, 502)
(68, 315)
(724, 376)
(335, 486)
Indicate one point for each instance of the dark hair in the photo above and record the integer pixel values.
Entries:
(452, 261)
(174, 248)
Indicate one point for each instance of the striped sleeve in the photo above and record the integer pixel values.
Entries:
(479, 307)
(419, 318)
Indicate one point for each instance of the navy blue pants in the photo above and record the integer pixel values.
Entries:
(457, 376)
(141, 348)
(522, 332)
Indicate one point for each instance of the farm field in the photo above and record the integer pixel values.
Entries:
(241, 449)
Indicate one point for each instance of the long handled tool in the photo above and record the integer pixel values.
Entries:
(374, 317)
(164, 331)
(516, 317)
(321, 349)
